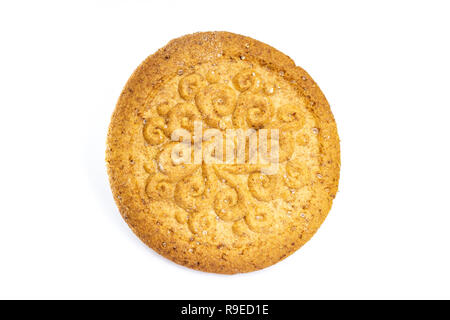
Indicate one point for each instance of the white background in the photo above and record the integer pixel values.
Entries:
(384, 67)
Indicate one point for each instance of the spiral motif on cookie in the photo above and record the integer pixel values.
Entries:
(259, 220)
(163, 108)
(216, 101)
(190, 85)
(183, 116)
(247, 80)
(173, 170)
(229, 205)
(291, 117)
(189, 192)
(252, 110)
(297, 175)
(202, 223)
(154, 131)
(159, 187)
(262, 186)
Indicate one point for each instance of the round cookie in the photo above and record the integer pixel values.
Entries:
(222, 217)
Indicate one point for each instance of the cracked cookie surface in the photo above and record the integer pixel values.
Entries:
(223, 218)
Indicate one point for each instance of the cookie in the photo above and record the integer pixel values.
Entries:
(222, 154)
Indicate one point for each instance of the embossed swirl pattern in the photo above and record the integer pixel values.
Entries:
(199, 189)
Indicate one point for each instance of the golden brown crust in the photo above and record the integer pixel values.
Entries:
(181, 56)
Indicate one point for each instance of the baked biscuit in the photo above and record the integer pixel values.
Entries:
(225, 216)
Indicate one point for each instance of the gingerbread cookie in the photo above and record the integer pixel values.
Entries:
(223, 155)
